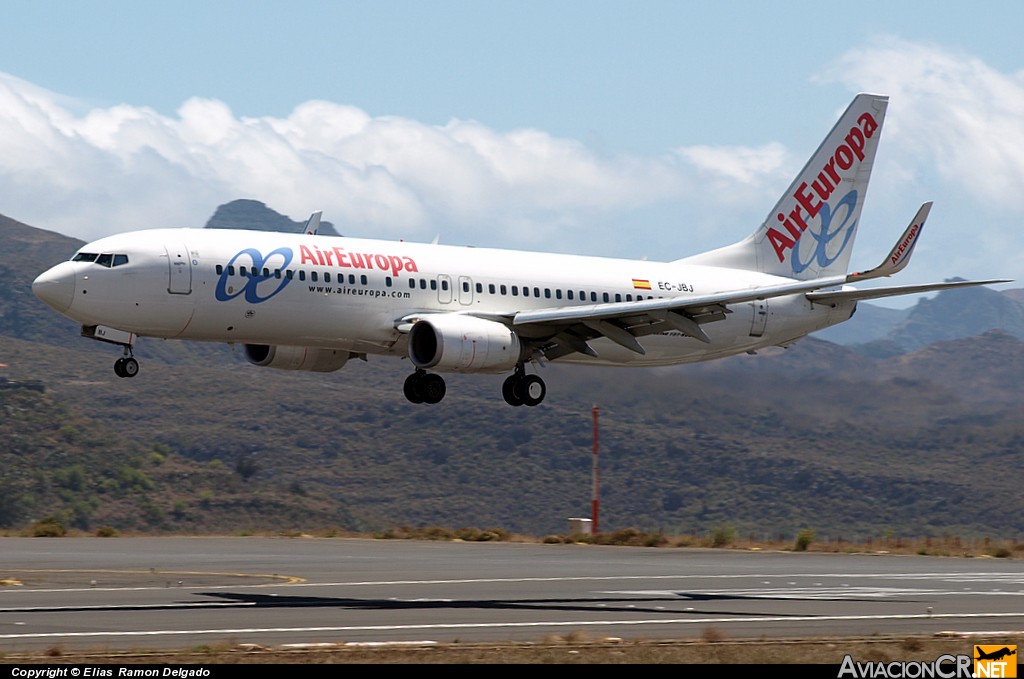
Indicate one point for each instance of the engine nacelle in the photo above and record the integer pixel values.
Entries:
(312, 359)
(462, 344)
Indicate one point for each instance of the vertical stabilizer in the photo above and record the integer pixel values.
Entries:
(810, 231)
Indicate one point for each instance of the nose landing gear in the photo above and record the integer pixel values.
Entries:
(127, 366)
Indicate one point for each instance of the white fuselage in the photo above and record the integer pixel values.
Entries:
(351, 294)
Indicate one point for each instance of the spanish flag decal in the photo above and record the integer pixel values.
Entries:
(641, 284)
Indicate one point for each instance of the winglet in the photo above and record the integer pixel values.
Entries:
(312, 224)
(899, 256)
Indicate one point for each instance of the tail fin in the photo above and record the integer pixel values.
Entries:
(810, 231)
(312, 224)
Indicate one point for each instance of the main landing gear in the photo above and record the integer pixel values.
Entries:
(424, 387)
(519, 389)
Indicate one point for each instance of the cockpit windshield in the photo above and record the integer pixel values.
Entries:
(106, 259)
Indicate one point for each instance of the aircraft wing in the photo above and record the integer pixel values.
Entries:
(623, 322)
(826, 296)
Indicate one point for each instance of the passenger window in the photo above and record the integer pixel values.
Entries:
(387, 281)
(515, 290)
(504, 290)
(302, 275)
(327, 277)
(290, 274)
(605, 297)
(231, 269)
(313, 276)
(490, 288)
(558, 293)
(220, 269)
(593, 296)
(412, 283)
(362, 279)
(433, 284)
(568, 294)
(526, 291)
(479, 288)
(423, 284)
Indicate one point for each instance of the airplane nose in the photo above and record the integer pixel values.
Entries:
(56, 286)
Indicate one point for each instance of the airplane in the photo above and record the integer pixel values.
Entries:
(308, 302)
(995, 655)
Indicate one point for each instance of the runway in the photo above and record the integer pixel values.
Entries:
(120, 593)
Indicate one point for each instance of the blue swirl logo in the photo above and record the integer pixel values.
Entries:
(252, 265)
(823, 238)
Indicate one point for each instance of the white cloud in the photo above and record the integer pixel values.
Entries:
(743, 165)
(950, 111)
(954, 130)
(126, 167)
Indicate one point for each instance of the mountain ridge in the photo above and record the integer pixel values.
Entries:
(246, 213)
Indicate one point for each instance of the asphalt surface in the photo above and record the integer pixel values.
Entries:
(129, 593)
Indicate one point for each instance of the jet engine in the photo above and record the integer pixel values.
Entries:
(312, 359)
(460, 343)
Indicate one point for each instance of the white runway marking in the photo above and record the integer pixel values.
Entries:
(968, 577)
(507, 625)
(826, 593)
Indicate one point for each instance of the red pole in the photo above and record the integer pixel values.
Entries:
(595, 502)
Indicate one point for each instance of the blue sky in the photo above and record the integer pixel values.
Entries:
(627, 129)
